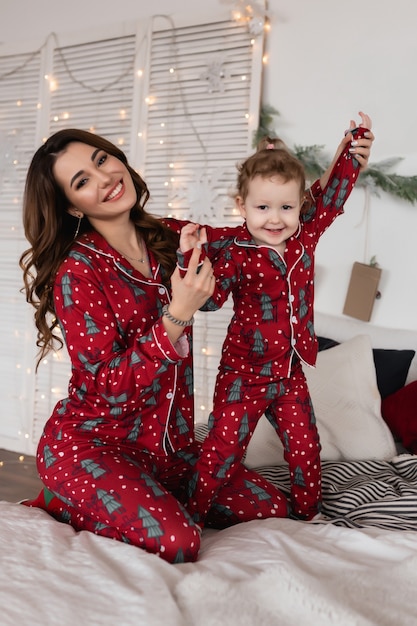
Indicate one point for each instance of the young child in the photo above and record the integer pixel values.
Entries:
(267, 264)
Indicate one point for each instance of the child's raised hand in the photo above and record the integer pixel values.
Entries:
(192, 235)
(366, 120)
(361, 148)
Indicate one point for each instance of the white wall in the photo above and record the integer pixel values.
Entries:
(327, 60)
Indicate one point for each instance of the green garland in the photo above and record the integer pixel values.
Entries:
(376, 176)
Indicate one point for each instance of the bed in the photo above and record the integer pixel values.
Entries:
(356, 565)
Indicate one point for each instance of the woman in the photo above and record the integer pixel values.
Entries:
(117, 453)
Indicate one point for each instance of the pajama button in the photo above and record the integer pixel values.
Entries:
(161, 290)
(169, 395)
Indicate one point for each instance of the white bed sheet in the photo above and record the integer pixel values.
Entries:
(262, 573)
(259, 573)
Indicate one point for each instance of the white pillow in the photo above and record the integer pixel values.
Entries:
(347, 406)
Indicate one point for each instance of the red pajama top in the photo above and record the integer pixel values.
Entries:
(273, 294)
(129, 385)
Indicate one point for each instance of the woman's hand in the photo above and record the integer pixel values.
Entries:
(189, 292)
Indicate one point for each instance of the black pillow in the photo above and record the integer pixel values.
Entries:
(391, 369)
(391, 366)
(325, 343)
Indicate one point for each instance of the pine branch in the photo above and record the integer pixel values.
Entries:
(376, 176)
(404, 187)
(266, 119)
(313, 160)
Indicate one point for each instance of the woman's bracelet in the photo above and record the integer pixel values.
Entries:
(174, 320)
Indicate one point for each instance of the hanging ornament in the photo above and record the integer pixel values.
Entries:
(256, 25)
(202, 194)
(253, 14)
(216, 74)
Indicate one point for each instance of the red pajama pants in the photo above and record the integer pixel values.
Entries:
(237, 408)
(135, 497)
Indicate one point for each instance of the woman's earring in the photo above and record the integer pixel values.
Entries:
(80, 217)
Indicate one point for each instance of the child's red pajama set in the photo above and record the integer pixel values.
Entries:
(271, 333)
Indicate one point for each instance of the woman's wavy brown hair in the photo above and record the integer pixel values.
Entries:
(50, 229)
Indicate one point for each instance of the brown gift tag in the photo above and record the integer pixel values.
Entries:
(362, 291)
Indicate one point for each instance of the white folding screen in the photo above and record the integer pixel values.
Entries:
(183, 102)
(203, 96)
(19, 97)
(91, 87)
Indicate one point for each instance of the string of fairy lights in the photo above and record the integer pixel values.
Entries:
(253, 16)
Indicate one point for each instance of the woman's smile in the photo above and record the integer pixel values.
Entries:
(116, 192)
